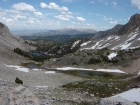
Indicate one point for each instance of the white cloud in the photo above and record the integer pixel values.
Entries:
(38, 13)
(136, 3)
(92, 2)
(73, 22)
(81, 19)
(18, 16)
(88, 24)
(54, 6)
(114, 3)
(106, 3)
(114, 22)
(64, 17)
(23, 7)
(5, 0)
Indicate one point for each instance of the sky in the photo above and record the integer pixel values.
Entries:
(58, 14)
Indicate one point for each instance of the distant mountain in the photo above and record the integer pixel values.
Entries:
(58, 38)
(102, 34)
(122, 37)
(65, 31)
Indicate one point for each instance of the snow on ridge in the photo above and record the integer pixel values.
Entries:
(117, 37)
(106, 45)
(85, 43)
(133, 37)
(125, 46)
(75, 43)
(110, 37)
(19, 68)
(110, 70)
(132, 95)
(112, 55)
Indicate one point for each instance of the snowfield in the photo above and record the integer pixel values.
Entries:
(112, 55)
(132, 95)
(110, 70)
(71, 68)
(98, 70)
(19, 68)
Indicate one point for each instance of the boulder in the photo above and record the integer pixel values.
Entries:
(23, 96)
(115, 101)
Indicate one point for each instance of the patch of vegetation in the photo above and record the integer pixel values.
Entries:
(94, 61)
(31, 56)
(102, 88)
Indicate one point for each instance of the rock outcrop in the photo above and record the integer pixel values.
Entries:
(23, 96)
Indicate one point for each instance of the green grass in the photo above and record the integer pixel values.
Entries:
(104, 88)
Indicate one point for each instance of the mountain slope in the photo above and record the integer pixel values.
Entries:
(7, 40)
(102, 34)
(127, 37)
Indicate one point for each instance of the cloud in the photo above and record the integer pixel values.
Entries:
(5, 0)
(104, 17)
(114, 3)
(73, 22)
(54, 6)
(136, 3)
(23, 7)
(106, 3)
(114, 22)
(64, 17)
(92, 2)
(81, 19)
(38, 13)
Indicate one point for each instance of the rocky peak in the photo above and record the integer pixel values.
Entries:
(133, 24)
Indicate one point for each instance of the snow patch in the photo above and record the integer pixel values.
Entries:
(50, 72)
(71, 68)
(117, 37)
(41, 86)
(37, 69)
(19, 68)
(125, 46)
(139, 73)
(112, 55)
(132, 95)
(83, 44)
(110, 70)
(75, 43)
(110, 37)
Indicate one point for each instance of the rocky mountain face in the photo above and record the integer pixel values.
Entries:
(102, 34)
(125, 37)
(66, 31)
(7, 40)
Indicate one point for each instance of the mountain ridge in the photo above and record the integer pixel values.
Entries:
(126, 37)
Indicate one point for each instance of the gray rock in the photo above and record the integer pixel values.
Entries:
(115, 101)
(23, 96)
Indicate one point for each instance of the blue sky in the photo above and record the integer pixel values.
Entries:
(58, 14)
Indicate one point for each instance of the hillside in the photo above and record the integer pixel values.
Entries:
(126, 37)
